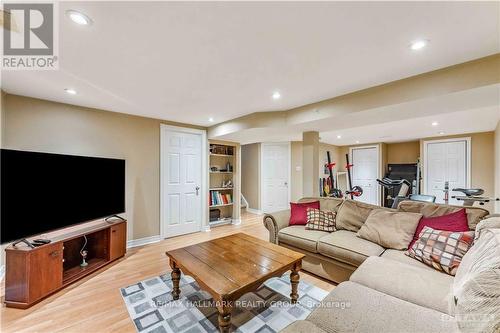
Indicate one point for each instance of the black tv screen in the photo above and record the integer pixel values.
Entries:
(41, 192)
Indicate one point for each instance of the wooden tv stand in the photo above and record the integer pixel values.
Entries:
(33, 274)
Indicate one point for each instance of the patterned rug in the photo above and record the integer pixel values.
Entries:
(268, 309)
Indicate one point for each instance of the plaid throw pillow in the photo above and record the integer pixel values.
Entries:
(442, 250)
(320, 220)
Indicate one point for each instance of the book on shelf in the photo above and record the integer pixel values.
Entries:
(218, 198)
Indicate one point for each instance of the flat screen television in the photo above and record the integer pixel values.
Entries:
(41, 192)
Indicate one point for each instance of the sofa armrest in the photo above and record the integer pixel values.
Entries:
(275, 222)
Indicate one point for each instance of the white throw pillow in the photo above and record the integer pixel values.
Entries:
(476, 287)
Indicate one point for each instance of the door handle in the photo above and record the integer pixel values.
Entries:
(197, 188)
(286, 183)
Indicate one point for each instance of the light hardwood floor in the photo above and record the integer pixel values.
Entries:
(95, 304)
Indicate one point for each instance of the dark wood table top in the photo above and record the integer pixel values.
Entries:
(230, 266)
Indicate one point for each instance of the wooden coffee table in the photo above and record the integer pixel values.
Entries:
(231, 266)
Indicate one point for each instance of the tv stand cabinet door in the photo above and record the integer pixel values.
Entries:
(46, 271)
(117, 241)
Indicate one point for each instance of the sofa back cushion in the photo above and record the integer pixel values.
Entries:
(393, 230)
(325, 204)
(476, 287)
(427, 209)
(353, 214)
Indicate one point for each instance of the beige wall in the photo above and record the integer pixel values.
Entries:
(482, 161)
(310, 161)
(250, 174)
(296, 190)
(403, 152)
(39, 125)
(2, 103)
(497, 167)
(296, 172)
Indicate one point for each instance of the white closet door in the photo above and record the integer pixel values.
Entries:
(181, 181)
(365, 173)
(275, 176)
(446, 161)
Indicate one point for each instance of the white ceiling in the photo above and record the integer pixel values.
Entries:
(468, 111)
(470, 121)
(188, 61)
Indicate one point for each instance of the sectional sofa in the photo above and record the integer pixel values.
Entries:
(383, 290)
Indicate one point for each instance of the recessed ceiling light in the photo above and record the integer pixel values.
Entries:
(435, 123)
(339, 136)
(276, 95)
(419, 44)
(211, 119)
(441, 132)
(70, 91)
(78, 18)
(357, 141)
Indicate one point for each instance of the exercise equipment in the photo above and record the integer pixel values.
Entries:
(354, 191)
(422, 197)
(390, 184)
(472, 195)
(413, 197)
(397, 172)
(327, 185)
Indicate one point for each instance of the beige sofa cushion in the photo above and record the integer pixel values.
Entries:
(298, 236)
(302, 326)
(400, 256)
(352, 307)
(345, 246)
(352, 214)
(474, 214)
(476, 287)
(430, 289)
(329, 204)
(389, 229)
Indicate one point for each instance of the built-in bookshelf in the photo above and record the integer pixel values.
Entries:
(221, 197)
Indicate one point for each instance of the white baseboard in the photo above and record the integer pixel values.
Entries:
(236, 221)
(2, 272)
(254, 211)
(143, 241)
(205, 228)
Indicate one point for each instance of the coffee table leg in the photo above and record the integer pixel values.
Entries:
(294, 281)
(224, 318)
(176, 277)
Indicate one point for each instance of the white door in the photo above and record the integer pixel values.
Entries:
(181, 181)
(446, 161)
(275, 173)
(365, 173)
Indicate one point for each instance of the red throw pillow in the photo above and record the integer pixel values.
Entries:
(298, 214)
(452, 222)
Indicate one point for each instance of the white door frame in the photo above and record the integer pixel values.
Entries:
(467, 154)
(377, 147)
(261, 166)
(204, 173)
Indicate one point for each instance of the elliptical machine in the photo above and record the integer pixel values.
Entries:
(404, 189)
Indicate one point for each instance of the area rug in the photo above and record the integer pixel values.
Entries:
(268, 309)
